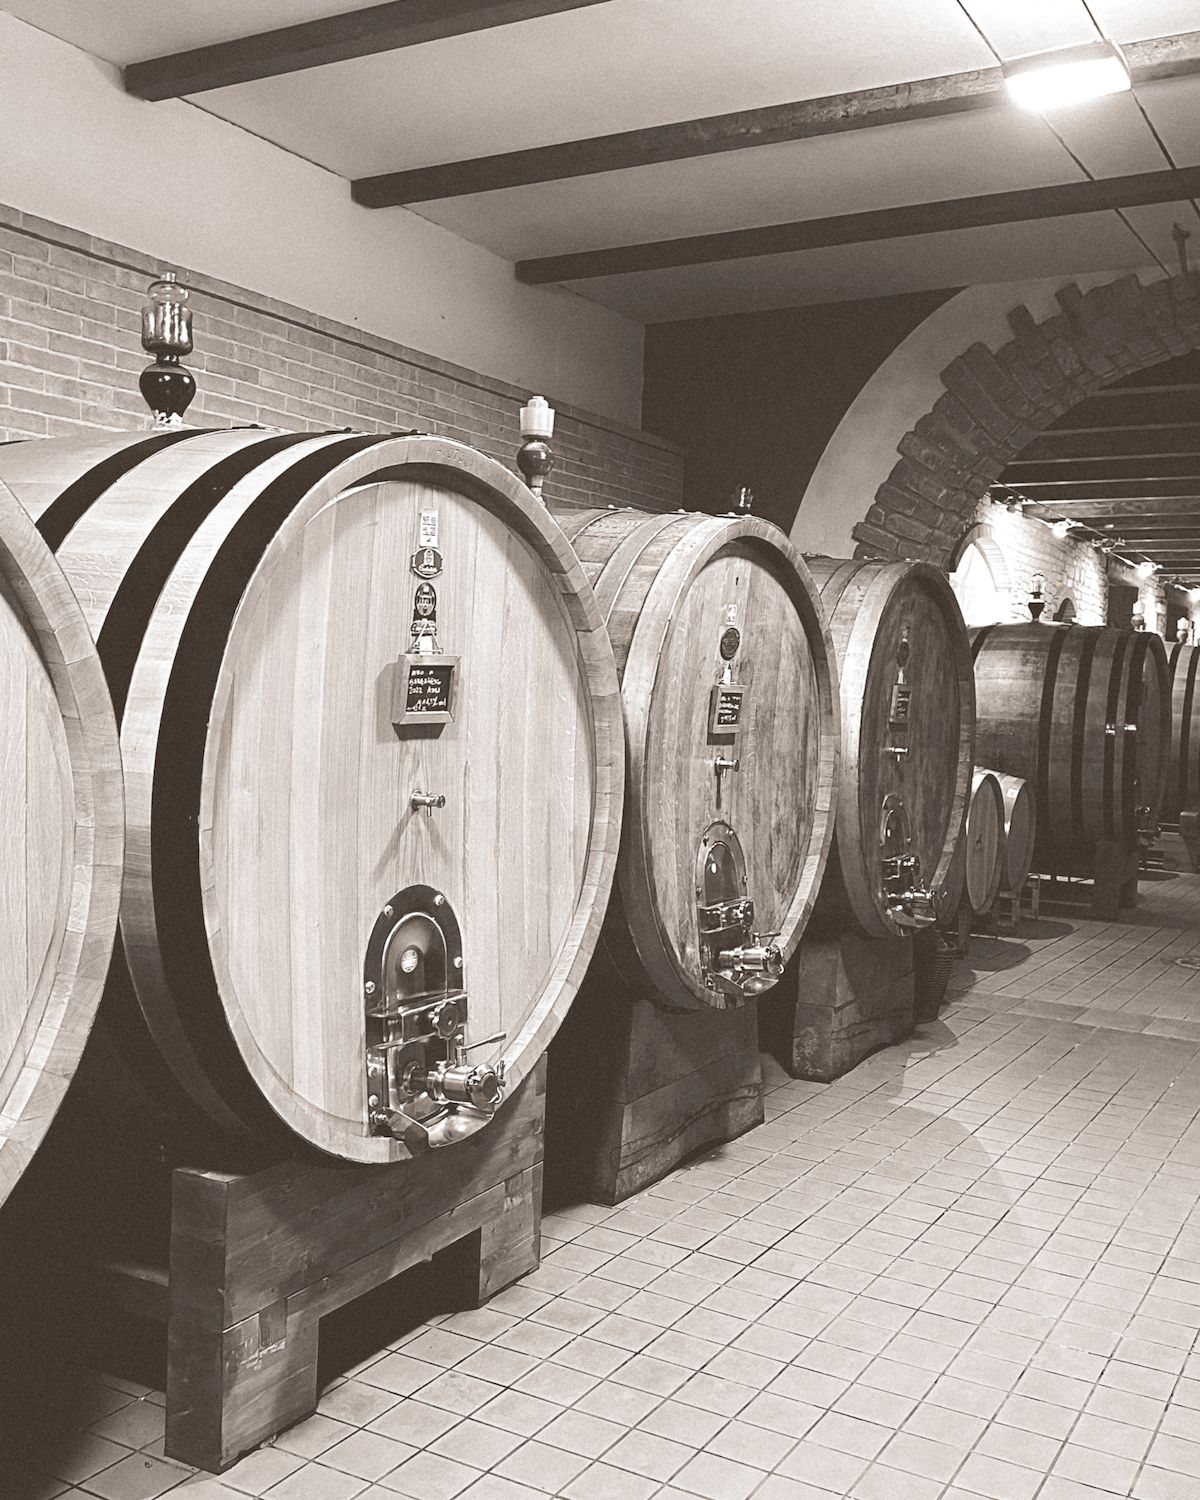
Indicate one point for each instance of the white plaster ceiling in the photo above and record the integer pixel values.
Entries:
(627, 64)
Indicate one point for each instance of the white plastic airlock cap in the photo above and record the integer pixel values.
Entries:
(537, 418)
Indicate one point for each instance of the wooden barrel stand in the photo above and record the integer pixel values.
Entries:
(845, 996)
(242, 1267)
(634, 1089)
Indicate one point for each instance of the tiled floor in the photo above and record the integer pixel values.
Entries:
(969, 1269)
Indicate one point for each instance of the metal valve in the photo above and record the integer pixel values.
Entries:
(910, 903)
(480, 1085)
(916, 907)
(899, 751)
(427, 800)
(761, 955)
(724, 763)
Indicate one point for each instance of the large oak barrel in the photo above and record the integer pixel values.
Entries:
(61, 837)
(908, 720)
(1181, 784)
(370, 726)
(730, 703)
(1081, 712)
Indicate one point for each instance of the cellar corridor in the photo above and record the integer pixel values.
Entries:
(971, 1267)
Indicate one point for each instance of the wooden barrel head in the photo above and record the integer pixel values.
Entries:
(984, 841)
(1020, 829)
(308, 921)
(61, 830)
(907, 727)
(714, 616)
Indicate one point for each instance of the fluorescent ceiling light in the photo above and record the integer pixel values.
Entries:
(1067, 75)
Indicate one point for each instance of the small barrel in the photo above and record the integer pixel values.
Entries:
(730, 698)
(371, 733)
(61, 837)
(1081, 712)
(908, 718)
(1020, 830)
(983, 842)
(1181, 784)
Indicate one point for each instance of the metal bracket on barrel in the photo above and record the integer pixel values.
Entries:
(910, 903)
(734, 959)
(422, 1089)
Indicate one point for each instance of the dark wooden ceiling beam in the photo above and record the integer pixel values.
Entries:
(988, 209)
(832, 114)
(330, 39)
(1101, 442)
(1134, 537)
(1167, 408)
(1145, 507)
(739, 130)
(1086, 470)
(1077, 492)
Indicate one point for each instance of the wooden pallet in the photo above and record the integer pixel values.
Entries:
(257, 1259)
(1010, 906)
(635, 1089)
(1109, 883)
(843, 997)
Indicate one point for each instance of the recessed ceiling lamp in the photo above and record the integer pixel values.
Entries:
(1067, 75)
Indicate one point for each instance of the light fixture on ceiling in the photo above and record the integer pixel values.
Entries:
(1062, 528)
(1146, 568)
(1067, 75)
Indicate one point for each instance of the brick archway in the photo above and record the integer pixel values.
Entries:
(995, 404)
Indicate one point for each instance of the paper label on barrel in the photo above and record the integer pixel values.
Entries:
(427, 534)
(725, 710)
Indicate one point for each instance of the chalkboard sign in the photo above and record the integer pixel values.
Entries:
(425, 689)
(725, 710)
(899, 712)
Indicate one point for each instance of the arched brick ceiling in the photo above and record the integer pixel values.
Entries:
(1012, 417)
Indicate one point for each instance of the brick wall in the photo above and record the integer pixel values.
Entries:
(1071, 569)
(993, 404)
(69, 342)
